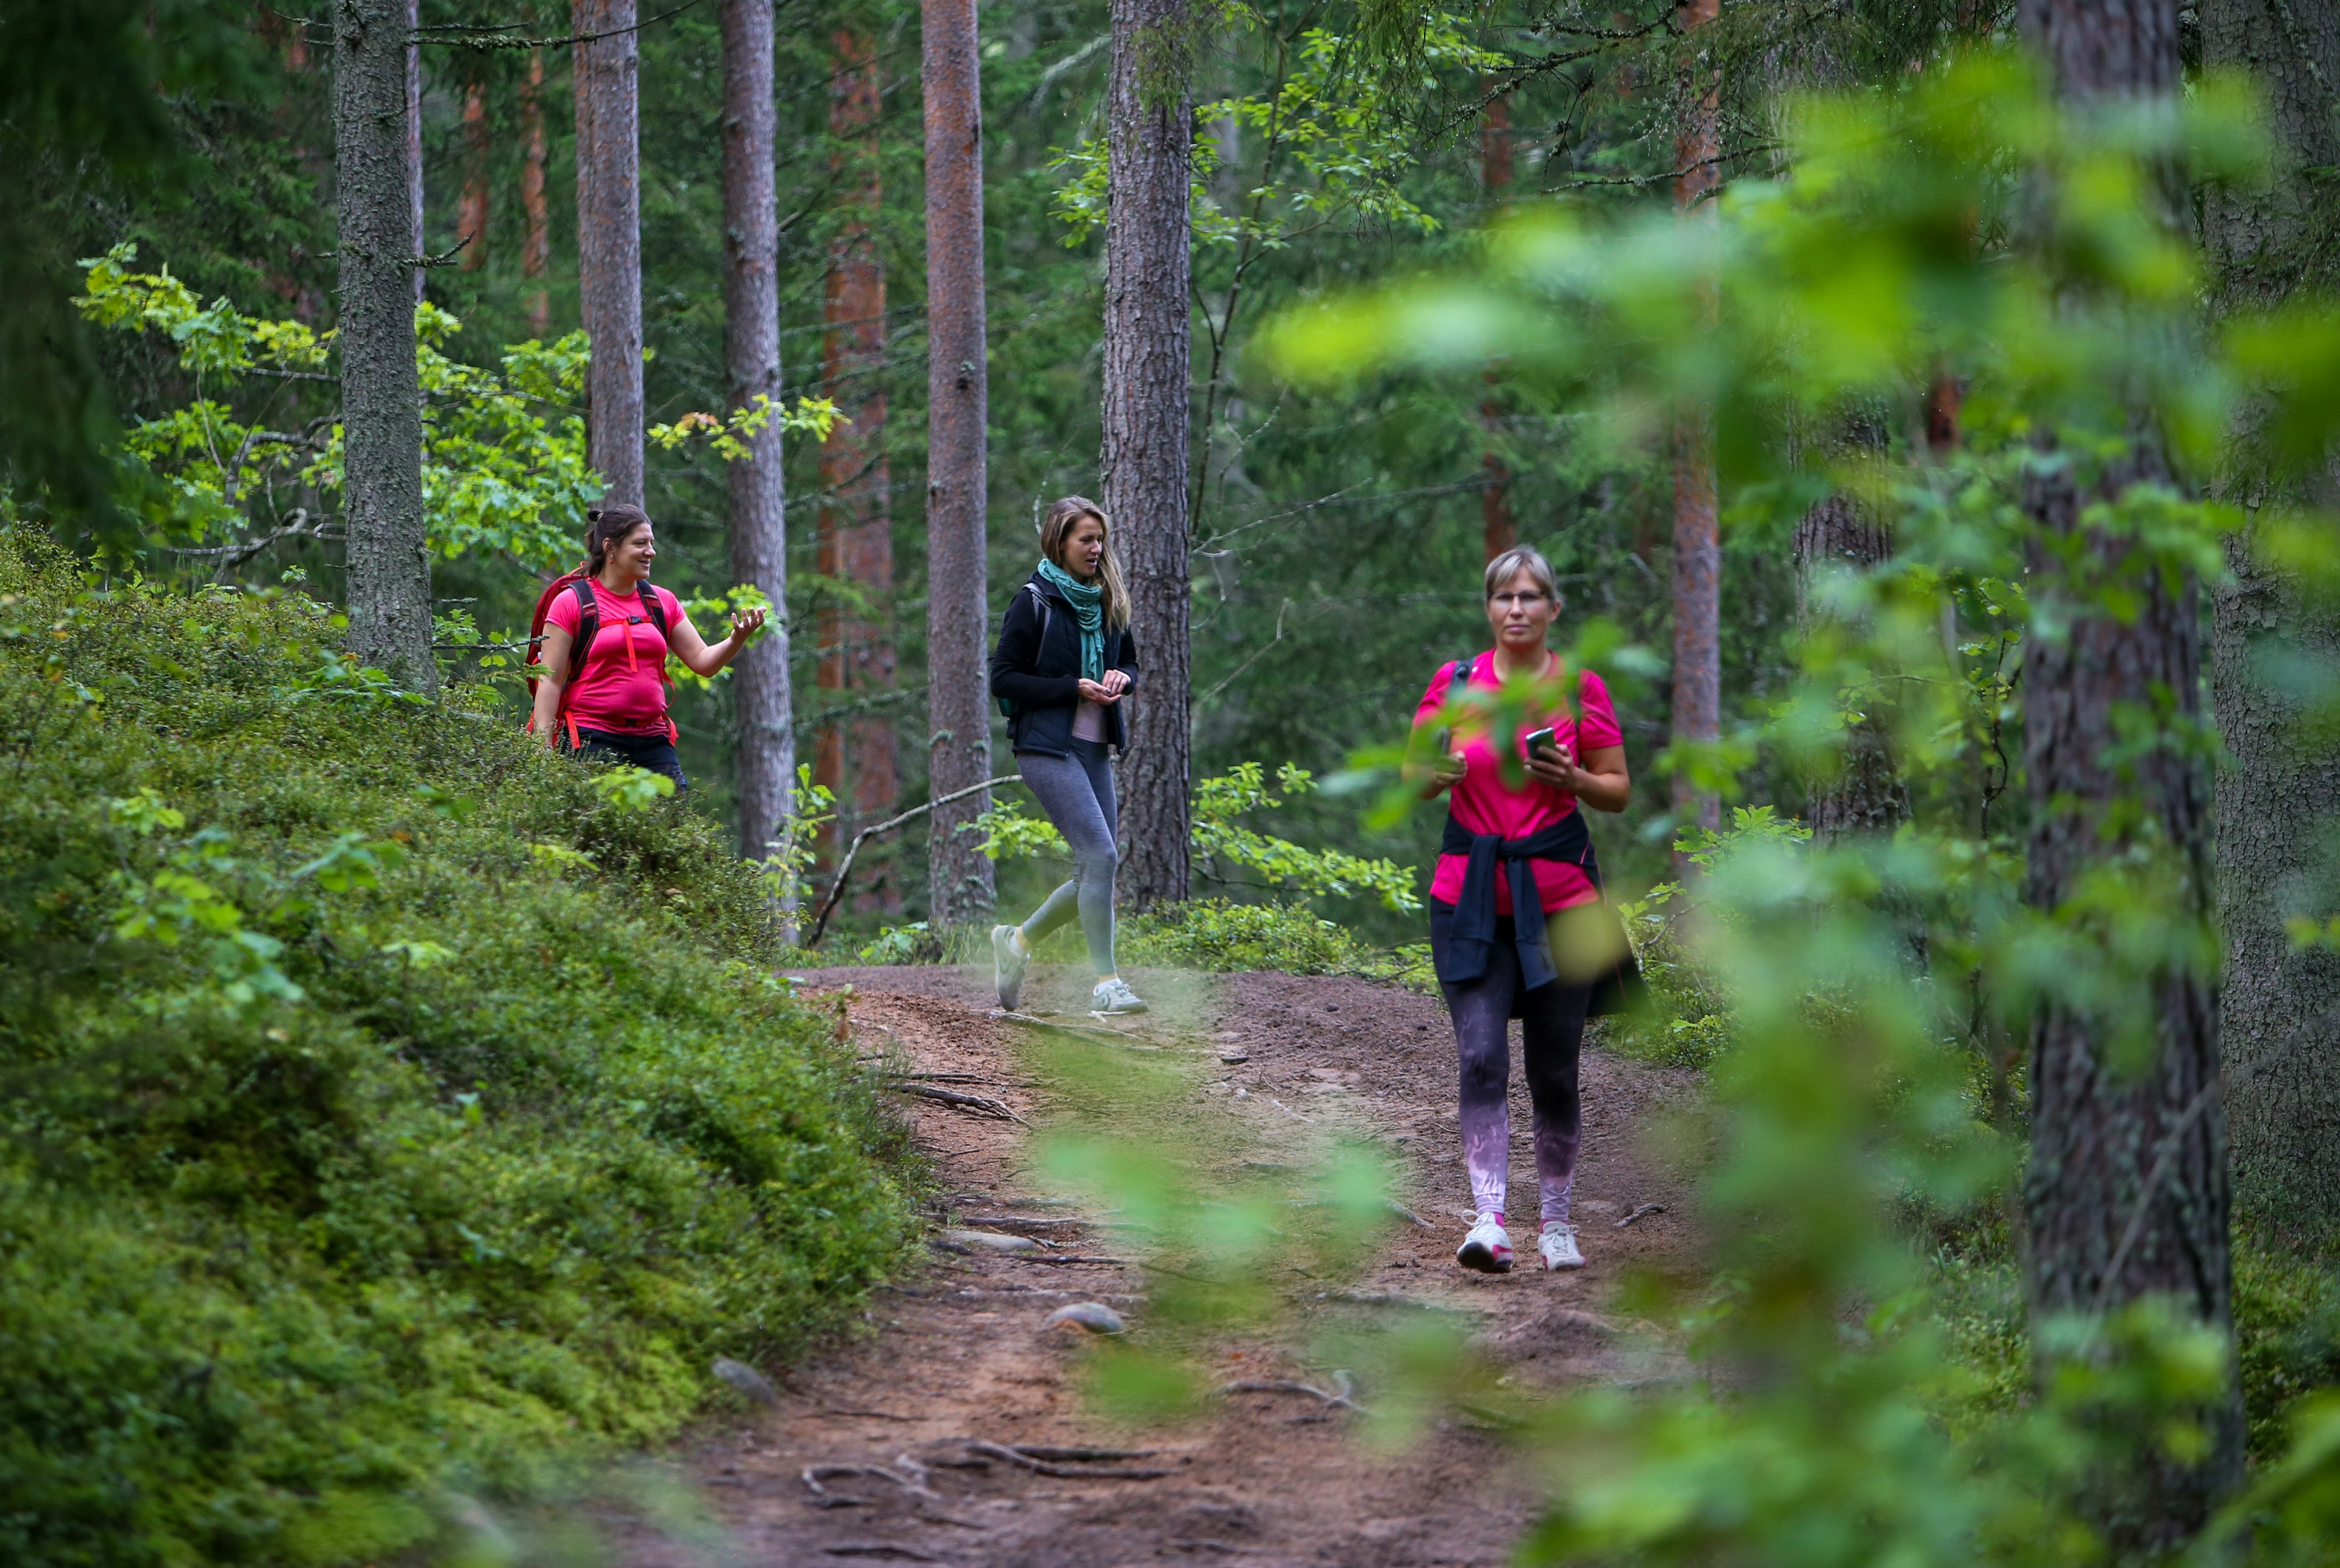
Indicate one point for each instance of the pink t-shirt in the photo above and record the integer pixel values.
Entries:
(1484, 803)
(621, 691)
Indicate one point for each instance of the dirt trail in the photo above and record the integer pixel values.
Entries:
(959, 1352)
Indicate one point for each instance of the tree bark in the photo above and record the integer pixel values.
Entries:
(471, 211)
(2126, 1195)
(2280, 796)
(1499, 527)
(382, 407)
(610, 240)
(856, 758)
(764, 762)
(1150, 126)
(1867, 799)
(959, 703)
(535, 242)
(1698, 545)
(413, 20)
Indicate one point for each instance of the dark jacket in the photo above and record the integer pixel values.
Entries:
(1035, 672)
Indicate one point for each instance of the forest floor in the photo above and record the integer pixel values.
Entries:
(957, 1354)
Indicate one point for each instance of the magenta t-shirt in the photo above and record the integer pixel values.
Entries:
(1483, 803)
(621, 691)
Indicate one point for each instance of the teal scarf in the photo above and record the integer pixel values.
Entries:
(1087, 600)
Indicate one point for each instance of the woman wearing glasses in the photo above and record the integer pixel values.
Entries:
(1514, 856)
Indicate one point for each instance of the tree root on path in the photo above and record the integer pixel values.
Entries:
(910, 1479)
(1338, 1398)
(979, 1105)
(1040, 1467)
(1645, 1208)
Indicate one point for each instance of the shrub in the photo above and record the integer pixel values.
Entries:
(386, 1106)
(1217, 934)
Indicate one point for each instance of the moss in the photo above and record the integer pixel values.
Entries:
(440, 1139)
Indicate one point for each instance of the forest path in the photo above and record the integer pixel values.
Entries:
(961, 1353)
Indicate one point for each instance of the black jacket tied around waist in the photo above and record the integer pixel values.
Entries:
(1471, 937)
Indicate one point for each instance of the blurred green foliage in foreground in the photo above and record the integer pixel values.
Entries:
(390, 1116)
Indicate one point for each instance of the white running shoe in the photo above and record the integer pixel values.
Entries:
(1488, 1248)
(1558, 1245)
(1112, 998)
(1008, 963)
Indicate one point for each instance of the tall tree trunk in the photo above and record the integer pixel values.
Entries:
(536, 241)
(1148, 281)
(1697, 546)
(381, 401)
(764, 762)
(413, 21)
(1867, 799)
(610, 240)
(856, 527)
(958, 699)
(1499, 528)
(2125, 1194)
(2281, 797)
(471, 211)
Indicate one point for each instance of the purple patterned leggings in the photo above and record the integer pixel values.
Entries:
(1552, 1031)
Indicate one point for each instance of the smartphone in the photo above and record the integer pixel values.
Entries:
(1542, 740)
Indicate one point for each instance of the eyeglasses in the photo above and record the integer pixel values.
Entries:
(1507, 600)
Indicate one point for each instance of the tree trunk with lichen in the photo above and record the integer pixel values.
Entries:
(610, 240)
(381, 401)
(2280, 798)
(2125, 1194)
(1148, 292)
(536, 237)
(958, 695)
(764, 748)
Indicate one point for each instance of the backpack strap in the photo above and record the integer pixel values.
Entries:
(652, 606)
(589, 627)
(1461, 670)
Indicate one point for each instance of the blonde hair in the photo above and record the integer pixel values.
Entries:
(1519, 559)
(1056, 527)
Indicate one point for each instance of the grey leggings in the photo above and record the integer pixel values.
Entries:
(1076, 792)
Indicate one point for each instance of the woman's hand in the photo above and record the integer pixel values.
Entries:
(746, 623)
(1108, 691)
(1604, 785)
(1442, 773)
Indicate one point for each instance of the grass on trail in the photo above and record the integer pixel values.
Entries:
(390, 1114)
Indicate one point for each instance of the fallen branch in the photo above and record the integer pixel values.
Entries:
(844, 867)
(814, 1474)
(1645, 1208)
(1016, 1456)
(981, 1105)
(1079, 1031)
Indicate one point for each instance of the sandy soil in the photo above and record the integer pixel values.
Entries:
(958, 1353)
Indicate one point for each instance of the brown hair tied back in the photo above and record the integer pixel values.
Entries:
(606, 526)
(1056, 528)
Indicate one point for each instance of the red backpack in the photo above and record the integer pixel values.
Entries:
(579, 584)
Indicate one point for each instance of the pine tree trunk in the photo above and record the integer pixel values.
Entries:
(1867, 799)
(535, 242)
(764, 762)
(413, 20)
(958, 701)
(1499, 527)
(2126, 1195)
(857, 529)
(2281, 795)
(610, 240)
(1697, 546)
(382, 407)
(471, 211)
(1150, 126)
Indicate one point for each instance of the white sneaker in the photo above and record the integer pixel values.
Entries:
(1558, 1245)
(1008, 963)
(1112, 996)
(1488, 1248)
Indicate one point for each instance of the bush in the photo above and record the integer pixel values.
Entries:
(1217, 934)
(387, 1108)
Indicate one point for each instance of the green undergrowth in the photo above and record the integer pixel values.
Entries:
(391, 1114)
(1222, 935)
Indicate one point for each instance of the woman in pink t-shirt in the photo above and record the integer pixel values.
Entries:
(612, 704)
(1514, 832)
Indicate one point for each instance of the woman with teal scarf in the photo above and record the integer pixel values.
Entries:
(1063, 664)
